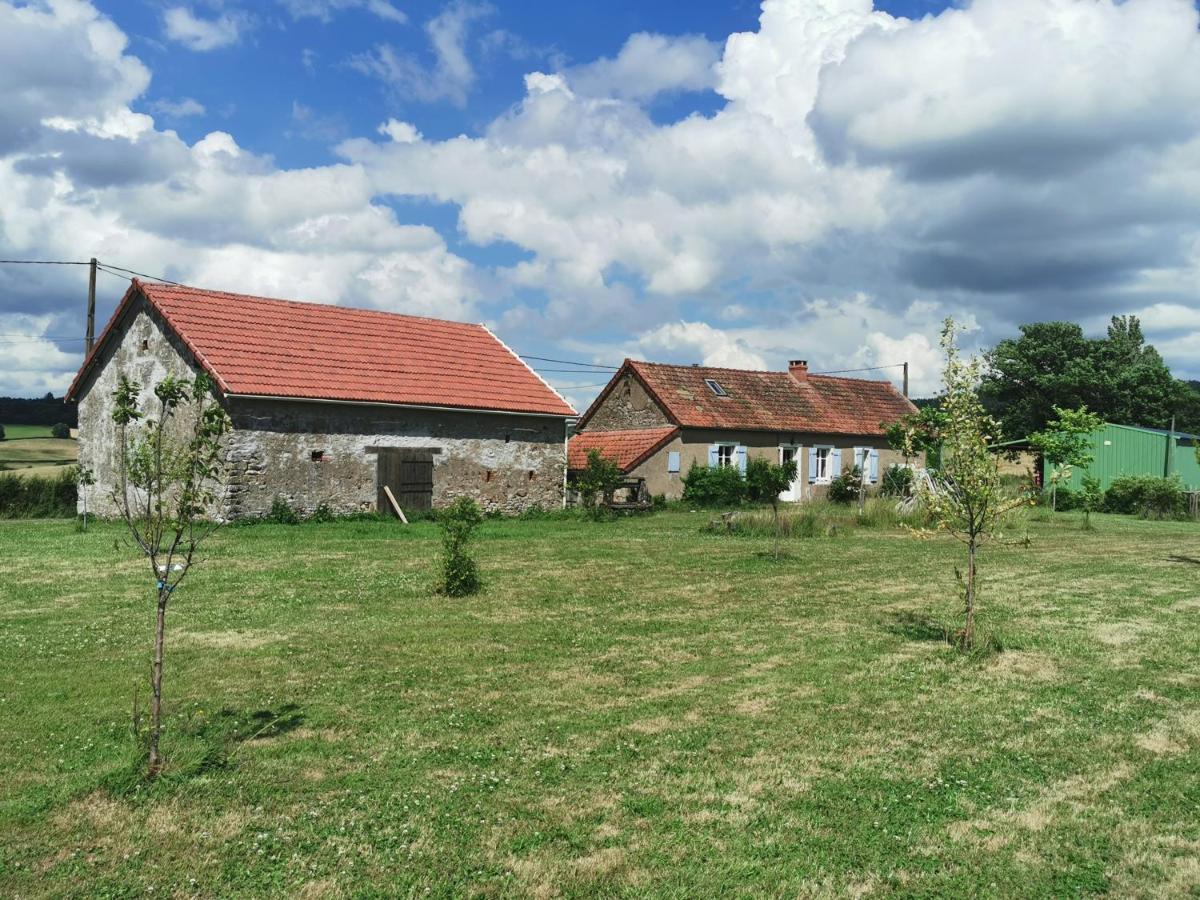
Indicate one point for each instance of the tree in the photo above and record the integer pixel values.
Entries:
(1091, 498)
(598, 481)
(919, 432)
(171, 468)
(1066, 443)
(60, 430)
(1119, 377)
(2, 435)
(84, 479)
(460, 573)
(966, 499)
(765, 481)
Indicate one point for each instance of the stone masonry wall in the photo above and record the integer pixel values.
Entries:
(506, 463)
(627, 406)
(146, 352)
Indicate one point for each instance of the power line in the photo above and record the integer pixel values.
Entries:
(44, 262)
(579, 387)
(865, 369)
(570, 362)
(138, 274)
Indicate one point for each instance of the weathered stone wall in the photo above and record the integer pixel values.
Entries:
(627, 406)
(146, 352)
(507, 463)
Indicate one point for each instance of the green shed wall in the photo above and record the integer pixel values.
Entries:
(1122, 450)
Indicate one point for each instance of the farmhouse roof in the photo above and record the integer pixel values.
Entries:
(256, 346)
(764, 401)
(628, 449)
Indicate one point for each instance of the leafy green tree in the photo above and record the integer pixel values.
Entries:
(84, 478)
(1119, 377)
(919, 432)
(966, 499)
(1066, 443)
(171, 468)
(460, 572)
(765, 481)
(2, 435)
(60, 430)
(1091, 498)
(598, 481)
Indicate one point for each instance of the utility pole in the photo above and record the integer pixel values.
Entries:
(91, 317)
(906, 379)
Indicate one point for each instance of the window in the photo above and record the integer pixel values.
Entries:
(725, 454)
(715, 387)
(673, 461)
(318, 455)
(821, 463)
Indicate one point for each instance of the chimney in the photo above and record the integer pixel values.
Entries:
(799, 369)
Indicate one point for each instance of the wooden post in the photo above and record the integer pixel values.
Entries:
(906, 379)
(91, 309)
(1169, 457)
(396, 506)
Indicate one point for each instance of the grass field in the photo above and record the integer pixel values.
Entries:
(29, 450)
(632, 708)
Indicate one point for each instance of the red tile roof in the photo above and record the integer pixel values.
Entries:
(313, 351)
(628, 449)
(765, 401)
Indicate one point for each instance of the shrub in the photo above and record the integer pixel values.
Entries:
(1145, 495)
(1068, 499)
(845, 488)
(897, 481)
(28, 497)
(282, 513)
(61, 431)
(460, 574)
(713, 486)
(1, 432)
(597, 482)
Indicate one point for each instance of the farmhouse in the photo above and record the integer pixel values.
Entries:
(331, 405)
(657, 420)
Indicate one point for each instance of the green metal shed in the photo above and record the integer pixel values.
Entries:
(1128, 450)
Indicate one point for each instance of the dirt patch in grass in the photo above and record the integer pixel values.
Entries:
(1025, 665)
(230, 640)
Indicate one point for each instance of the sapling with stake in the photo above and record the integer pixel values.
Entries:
(171, 467)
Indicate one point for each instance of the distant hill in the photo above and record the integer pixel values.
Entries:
(48, 410)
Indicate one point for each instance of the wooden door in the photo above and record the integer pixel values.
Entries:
(409, 473)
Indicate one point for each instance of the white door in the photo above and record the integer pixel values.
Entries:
(794, 493)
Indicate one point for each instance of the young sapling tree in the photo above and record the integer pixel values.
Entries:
(1092, 499)
(171, 468)
(1066, 443)
(598, 481)
(460, 573)
(84, 479)
(765, 481)
(965, 498)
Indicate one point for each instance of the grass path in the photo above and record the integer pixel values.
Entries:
(631, 709)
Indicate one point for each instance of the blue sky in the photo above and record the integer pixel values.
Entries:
(729, 183)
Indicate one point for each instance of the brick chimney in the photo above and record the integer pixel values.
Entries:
(799, 369)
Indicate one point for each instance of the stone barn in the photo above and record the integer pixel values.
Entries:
(330, 405)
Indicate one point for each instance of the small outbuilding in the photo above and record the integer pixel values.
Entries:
(330, 405)
(657, 420)
(1119, 450)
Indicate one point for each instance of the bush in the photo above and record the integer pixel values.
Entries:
(1, 432)
(1145, 495)
(61, 431)
(897, 481)
(713, 486)
(282, 513)
(597, 482)
(460, 574)
(38, 498)
(1068, 500)
(845, 488)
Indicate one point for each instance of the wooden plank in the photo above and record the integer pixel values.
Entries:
(396, 506)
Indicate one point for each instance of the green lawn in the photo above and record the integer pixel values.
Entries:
(20, 432)
(632, 708)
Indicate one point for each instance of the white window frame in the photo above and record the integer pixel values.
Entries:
(727, 455)
(827, 450)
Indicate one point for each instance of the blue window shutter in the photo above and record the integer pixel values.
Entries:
(812, 464)
(874, 476)
(835, 462)
(712, 455)
(740, 452)
(673, 461)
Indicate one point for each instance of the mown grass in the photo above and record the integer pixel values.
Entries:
(631, 708)
(21, 432)
(32, 454)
